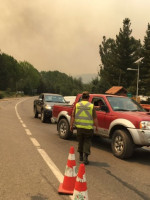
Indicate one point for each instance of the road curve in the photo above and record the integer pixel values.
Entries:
(33, 160)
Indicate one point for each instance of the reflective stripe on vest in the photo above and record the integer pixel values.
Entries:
(84, 115)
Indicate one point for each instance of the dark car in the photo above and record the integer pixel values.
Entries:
(44, 105)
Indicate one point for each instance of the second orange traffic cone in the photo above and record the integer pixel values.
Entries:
(67, 187)
(80, 190)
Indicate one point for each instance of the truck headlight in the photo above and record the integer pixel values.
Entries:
(145, 125)
(48, 107)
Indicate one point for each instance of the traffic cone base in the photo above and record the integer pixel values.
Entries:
(67, 187)
(80, 190)
(80, 195)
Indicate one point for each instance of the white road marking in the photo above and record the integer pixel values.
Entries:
(28, 132)
(44, 155)
(17, 114)
(24, 125)
(35, 142)
(51, 165)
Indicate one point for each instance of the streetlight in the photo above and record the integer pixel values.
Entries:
(138, 72)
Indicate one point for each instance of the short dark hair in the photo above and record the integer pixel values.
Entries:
(85, 95)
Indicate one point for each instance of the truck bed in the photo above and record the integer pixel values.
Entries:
(58, 108)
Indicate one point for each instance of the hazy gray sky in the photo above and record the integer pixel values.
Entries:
(65, 35)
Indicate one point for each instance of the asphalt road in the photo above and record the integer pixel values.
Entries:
(33, 160)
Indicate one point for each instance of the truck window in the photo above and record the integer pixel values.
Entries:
(124, 104)
(98, 103)
(53, 98)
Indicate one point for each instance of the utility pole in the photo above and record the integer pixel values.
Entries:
(138, 74)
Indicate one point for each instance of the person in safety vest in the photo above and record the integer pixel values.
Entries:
(84, 117)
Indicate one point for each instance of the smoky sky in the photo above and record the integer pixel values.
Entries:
(65, 35)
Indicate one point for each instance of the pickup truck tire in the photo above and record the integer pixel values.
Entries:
(43, 118)
(122, 145)
(35, 113)
(64, 129)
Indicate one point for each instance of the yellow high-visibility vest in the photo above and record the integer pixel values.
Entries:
(84, 115)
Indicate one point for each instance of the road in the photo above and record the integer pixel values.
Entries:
(33, 160)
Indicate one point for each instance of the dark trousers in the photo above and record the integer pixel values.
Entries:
(84, 137)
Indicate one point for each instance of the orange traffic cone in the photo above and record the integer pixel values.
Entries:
(67, 187)
(80, 190)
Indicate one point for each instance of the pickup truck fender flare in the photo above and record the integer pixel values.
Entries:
(64, 114)
(123, 123)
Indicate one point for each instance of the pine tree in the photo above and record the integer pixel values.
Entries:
(108, 70)
(145, 65)
(118, 55)
(127, 53)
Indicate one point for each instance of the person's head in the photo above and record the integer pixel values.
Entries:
(85, 95)
(100, 103)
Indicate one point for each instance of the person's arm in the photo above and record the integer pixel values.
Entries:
(96, 123)
(97, 107)
(95, 119)
(72, 120)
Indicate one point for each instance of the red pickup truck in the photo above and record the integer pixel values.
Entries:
(146, 107)
(120, 119)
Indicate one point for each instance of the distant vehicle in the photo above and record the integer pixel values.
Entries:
(120, 119)
(44, 105)
(145, 105)
(70, 99)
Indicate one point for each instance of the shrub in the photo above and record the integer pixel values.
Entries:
(1, 96)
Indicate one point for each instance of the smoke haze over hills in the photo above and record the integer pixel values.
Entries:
(65, 35)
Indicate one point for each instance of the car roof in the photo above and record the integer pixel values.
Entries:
(52, 94)
(106, 95)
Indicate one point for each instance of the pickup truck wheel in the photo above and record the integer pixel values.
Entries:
(63, 129)
(35, 113)
(43, 118)
(122, 145)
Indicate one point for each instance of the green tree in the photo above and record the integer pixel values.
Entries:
(9, 72)
(116, 56)
(61, 83)
(108, 69)
(145, 65)
(29, 79)
(127, 49)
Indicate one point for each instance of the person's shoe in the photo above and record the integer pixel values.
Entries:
(86, 162)
(81, 157)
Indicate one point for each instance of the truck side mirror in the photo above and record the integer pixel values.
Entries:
(104, 108)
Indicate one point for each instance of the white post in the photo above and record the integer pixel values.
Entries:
(137, 90)
(138, 73)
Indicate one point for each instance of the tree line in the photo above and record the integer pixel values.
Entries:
(117, 55)
(22, 76)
